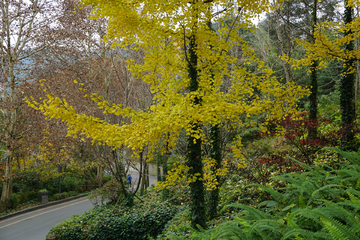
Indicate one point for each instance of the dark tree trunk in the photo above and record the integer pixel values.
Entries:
(197, 195)
(347, 94)
(216, 155)
(165, 192)
(313, 82)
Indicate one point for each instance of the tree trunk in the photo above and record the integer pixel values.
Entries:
(216, 155)
(313, 83)
(285, 45)
(357, 80)
(7, 184)
(99, 175)
(347, 101)
(10, 115)
(158, 163)
(144, 180)
(165, 192)
(197, 196)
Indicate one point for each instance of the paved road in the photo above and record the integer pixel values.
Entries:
(35, 225)
(135, 179)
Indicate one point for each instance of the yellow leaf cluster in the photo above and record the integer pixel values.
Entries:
(161, 29)
(330, 39)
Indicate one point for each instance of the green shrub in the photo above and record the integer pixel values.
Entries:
(57, 196)
(321, 203)
(73, 193)
(64, 195)
(31, 195)
(106, 178)
(110, 192)
(113, 223)
(70, 183)
(14, 201)
(180, 224)
(249, 135)
(22, 197)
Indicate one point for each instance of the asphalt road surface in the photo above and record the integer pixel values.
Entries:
(135, 179)
(35, 225)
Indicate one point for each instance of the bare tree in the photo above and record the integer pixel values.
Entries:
(82, 54)
(27, 28)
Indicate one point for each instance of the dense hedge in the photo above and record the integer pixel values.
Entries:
(109, 222)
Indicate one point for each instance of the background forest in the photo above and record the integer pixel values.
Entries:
(253, 127)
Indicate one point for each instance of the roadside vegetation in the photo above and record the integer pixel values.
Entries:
(253, 128)
(284, 192)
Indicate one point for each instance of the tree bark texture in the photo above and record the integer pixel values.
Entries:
(197, 195)
(347, 94)
(313, 82)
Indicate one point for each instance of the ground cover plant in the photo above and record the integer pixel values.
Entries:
(146, 219)
(321, 203)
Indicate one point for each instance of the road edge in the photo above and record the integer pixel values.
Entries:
(42, 206)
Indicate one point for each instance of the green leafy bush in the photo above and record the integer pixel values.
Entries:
(64, 195)
(321, 203)
(106, 178)
(249, 135)
(73, 193)
(13, 201)
(108, 222)
(110, 192)
(31, 195)
(70, 183)
(180, 224)
(57, 196)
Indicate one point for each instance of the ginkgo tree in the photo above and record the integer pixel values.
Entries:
(334, 41)
(185, 62)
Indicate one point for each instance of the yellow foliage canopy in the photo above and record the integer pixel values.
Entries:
(330, 39)
(162, 30)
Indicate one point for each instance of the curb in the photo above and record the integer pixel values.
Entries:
(41, 206)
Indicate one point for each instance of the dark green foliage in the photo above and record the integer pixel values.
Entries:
(30, 195)
(26, 185)
(59, 196)
(73, 193)
(13, 201)
(65, 195)
(56, 196)
(250, 135)
(106, 178)
(113, 223)
(321, 203)
(129, 199)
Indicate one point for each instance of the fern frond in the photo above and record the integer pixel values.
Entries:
(335, 232)
(353, 191)
(331, 188)
(276, 195)
(227, 230)
(352, 157)
(325, 213)
(255, 214)
(305, 233)
(266, 225)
